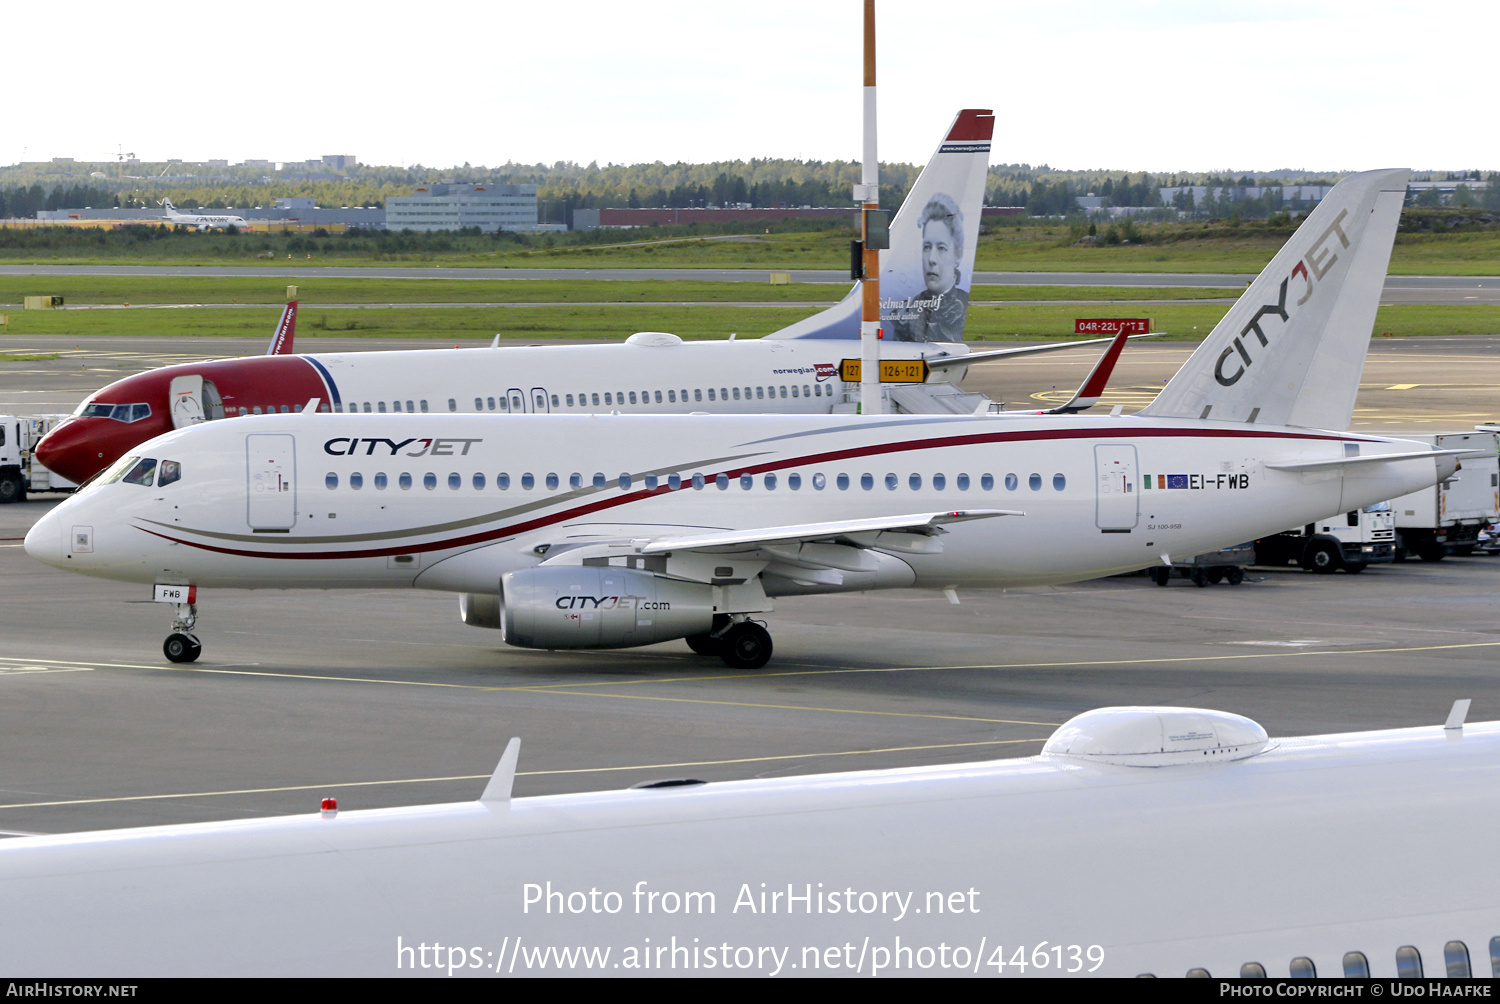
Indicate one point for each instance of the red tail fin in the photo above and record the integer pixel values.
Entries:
(286, 329)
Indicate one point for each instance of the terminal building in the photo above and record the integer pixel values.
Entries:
(454, 207)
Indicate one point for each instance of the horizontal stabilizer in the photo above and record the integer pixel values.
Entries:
(917, 523)
(1375, 458)
(944, 362)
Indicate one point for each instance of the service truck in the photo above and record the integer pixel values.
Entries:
(19, 470)
(1447, 518)
(1349, 540)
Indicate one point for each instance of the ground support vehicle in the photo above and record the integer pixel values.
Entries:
(1211, 568)
(20, 472)
(1447, 518)
(1351, 541)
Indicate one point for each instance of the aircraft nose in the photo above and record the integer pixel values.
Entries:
(44, 541)
(78, 449)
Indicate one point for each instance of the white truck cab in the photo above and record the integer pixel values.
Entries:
(20, 472)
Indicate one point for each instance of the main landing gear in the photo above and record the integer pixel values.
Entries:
(181, 646)
(739, 641)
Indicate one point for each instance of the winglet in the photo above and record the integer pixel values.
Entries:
(1093, 386)
(1457, 715)
(498, 790)
(286, 329)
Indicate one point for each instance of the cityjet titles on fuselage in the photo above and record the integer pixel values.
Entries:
(1311, 267)
(344, 446)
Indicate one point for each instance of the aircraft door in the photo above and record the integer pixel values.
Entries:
(539, 401)
(185, 397)
(271, 482)
(517, 401)
(1117, 487)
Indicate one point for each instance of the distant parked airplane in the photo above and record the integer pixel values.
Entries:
(200, 220)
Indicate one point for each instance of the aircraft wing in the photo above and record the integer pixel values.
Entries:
(848, 530)
(942, 362)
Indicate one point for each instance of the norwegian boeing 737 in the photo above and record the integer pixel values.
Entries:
(927, 274)
(1142, 841)
(598, 531)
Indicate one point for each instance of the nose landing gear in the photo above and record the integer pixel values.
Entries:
(181, 646)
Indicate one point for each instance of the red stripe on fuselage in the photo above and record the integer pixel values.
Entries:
(490, 536)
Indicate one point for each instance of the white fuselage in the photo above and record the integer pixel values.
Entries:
(754, 376)
(455, 501)
(1314, 848)
(204, 221)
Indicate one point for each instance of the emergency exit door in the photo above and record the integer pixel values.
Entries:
(1117, 488)
(271, 482)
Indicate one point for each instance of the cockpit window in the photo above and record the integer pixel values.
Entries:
(119, 412)
(117, 470)
(171, 471)
(142, 472)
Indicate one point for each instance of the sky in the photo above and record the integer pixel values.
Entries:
(1131, 84)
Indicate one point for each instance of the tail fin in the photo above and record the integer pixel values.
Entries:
(286, 330)
(1292, 348)
(924, 293)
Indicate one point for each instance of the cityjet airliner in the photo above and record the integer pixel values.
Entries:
(203, 221)
(598, 531)
(926, 276)
(1141, 842)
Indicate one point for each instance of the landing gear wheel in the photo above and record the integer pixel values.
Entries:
(1235, 575)
(181, 647)
(747, 645)
(1161, 576)
(1324, 559)
(1355, 567)
(12, 488)
(1199, 579)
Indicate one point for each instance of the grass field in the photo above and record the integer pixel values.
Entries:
(1185, 321)
(84, 290)
(1028, 248)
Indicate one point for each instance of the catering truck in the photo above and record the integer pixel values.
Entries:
(1447, 518)
(20, 472)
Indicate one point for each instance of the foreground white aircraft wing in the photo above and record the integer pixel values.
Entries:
(1163, 841)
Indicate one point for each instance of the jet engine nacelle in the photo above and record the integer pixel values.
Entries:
(594, 606)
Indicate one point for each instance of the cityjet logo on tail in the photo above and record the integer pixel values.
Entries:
(343, 446)
(1312, 268)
